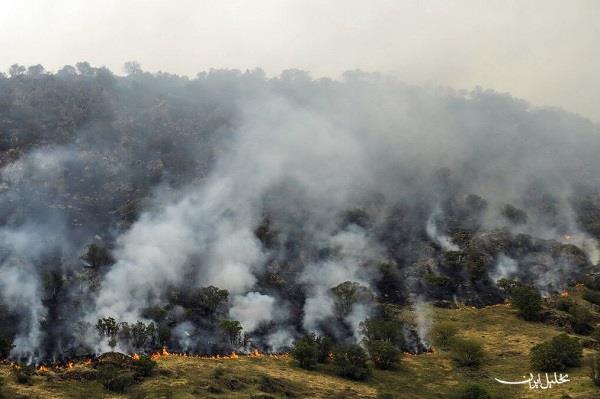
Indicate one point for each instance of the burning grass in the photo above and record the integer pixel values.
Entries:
(507, 340)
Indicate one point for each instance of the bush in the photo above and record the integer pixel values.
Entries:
(564, 304)
(144, 366)
(306, 351)
(527, 300)
(558, 354)
(466, 353)
(351, 362)
(442, 333)
(592, 296)
(384, 354)
(115, 378)
(582, 319)
(23, 373)
(473, 391)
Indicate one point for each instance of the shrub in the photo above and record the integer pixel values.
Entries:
(592, 296)
(582, 319)
(527, 300)
(218, 372)
(384, 354)
(144, 366)
(473, 391)
(466, 353)
(558, 354)
(351, 362)
(115, 378)
(564, 304)
(306, 351)
(23, 373)
(442, 333)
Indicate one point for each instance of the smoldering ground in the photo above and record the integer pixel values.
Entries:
(277, 190)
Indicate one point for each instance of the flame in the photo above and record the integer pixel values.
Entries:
(233, 355)
(69, 365)
(87, 362)
(564, 294)
(43, 369)
(135, 356)
(568, 237)
(255, 353)
(164, 351)
(155, 356)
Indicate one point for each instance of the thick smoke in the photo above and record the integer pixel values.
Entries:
(279, 190)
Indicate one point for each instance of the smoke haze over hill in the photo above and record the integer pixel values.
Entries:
(277, 190)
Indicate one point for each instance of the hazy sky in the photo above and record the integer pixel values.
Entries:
(545, 51)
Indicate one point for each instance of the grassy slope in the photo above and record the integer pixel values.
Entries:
(506, 338)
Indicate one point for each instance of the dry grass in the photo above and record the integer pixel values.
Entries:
(506, 340)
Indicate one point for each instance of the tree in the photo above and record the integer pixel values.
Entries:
(466, 353)
(232, 330)
(558, 354)
(97, 256)
(306, 351)
(377, 329)
(325, 345)
(16, 70)
(347, 294)
(132, 68)
(351, 362)
(108, 327)
(207, 301)
(384, 354)
(527, 300)
(5, 346)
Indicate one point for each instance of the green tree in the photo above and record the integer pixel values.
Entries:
(582, 319)
(527, 300)
(558, 354)
(351, 362)
(306, 351)
(109, 328)
(232, 330)
(378, 329)
(384, 354)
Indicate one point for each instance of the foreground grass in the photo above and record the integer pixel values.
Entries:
(506, 340)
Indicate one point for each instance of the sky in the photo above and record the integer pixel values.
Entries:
(544, 51)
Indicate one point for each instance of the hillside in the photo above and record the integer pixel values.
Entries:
(507, 340)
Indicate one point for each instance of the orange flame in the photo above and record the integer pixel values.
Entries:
(164, 351)
(564, 294)
(255, 353)
(135, 356)
(69, 365)
(568, 237)
(87, 362)
(233, 355)
(43, 368)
